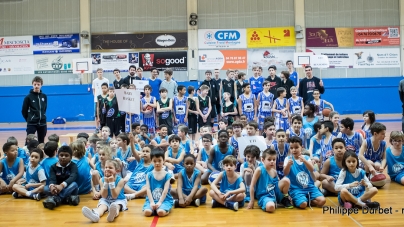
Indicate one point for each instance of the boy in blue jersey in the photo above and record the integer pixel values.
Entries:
(280, 109)
(265, 101)
(11, 168)
(144, 136)
(395, 157)
(50, 149)
(353, 140)
(180, 107)
(293, 74)
(299, 170)
(232, 188)
(247, 169)
(217, 154)
(174, 155)
(246, 104)
(84, 167)
(105, 134)
(161, 140)
(332, 167)
(296, 129)
(155, 83)
(158, 200)
(92, 140)
(148, 108)
(256, 81)
(373, 150)
(185, 142)
(266, 187)
(282, 150)
(326, 142)
(21, 152)
(315, 147)
(126, 155)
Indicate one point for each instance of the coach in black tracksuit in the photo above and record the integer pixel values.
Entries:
(34, 110)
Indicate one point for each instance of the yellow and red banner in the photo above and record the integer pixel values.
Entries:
(271, 37)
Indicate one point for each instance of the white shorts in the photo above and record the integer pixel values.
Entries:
(108, 202)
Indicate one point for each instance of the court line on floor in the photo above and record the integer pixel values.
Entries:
(154, 222)
(6, 201)
(348, 216)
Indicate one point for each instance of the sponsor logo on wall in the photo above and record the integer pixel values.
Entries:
(177, 61)
(221, 38)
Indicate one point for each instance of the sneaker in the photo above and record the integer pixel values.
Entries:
(90, 214)
(176, 203)
(286, 201)
(36, 196)
(325, 192)
(49, 203)
(113, 211)
(74, 200)
(15, 195)
(129, 196)
(197, 202)
(232, 205)
(372, 205)
(215, 204)
(347, 205)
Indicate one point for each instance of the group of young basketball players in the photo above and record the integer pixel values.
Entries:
(307, 156)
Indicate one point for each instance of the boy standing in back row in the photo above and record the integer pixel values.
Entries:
(97, 82)
(169, 84)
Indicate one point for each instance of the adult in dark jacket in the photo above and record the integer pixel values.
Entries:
(34, 110)
(213, 93)
(132, 75)
(62, 186)
(308, 84)
(274, 81)
(286, 83)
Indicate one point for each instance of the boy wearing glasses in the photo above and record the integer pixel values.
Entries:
(308, 84)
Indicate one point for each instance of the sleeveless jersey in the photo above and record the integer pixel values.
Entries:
(33, 178)
(326, 149)
(166, 117)
(353, 143)
(228, 109)
(219, 156)
(178, 167)
(158, 139)
(240, 89)
(280, 158)
(8, 173)
(102, 108)
(367, 131)
(280, 106)
(46, 163)
(295, 107)
(192, 106)
(319, 108)
(112, 108)
(266, 185)
(228, 86)
(372, 154)
(247, 106)
(138, 177)
(334, 169)
(204, 104)
(121, 194)
(188, 183)
(299, 175)
(180, 107)
(234, 143)
(83, 177)
(226, 186)
(301, 135)
(349, 178)
(336, 131)
(265, 105)
(157, 188)
(99, 168)
(256, 84)
(123, 156)
(186, 146)
(204, 155)
(149, 119)
(395, 164)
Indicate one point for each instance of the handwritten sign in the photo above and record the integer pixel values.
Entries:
(139, 84)
(128, 100)
(258, 141)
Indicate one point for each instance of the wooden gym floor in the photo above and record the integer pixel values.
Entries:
(25, 212)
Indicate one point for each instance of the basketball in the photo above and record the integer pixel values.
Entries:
(213, 176)
(378, 180)
(149, 108)
(326, 112)
(363, 133)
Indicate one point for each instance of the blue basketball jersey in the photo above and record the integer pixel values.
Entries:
(316, 147)
(319, 108)
(280, 106)
(186, 146)
(281, 121)
(149, 119)
(46, 163)
(256, 84)
(336, 131)
(295, 105)
(349, 178)
(123, 156)
(178, 167)
(138, 177)
(33, 178)
(395, 164)
(188, 183)
(226, 186)
(353, 143)
(280, 158)
(301, 135)
(234, 143)
(265, 184)
(326, 149)
(89, 150)
(99, 168)
(180, 108)
(367, 131)
(10, 172)
(157, 188)
(158, 139)
(219, 156)
(247, 106)
(204, 155)
(146, 141)
(299, 175)
(372, 154)
(334, 169)
(24, 156)
(121, 194)
(266, 101)
(83, 177)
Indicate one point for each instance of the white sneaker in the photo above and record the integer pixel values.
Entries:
(113, 211)
(197, 202)
(90, 214)
(129, 196)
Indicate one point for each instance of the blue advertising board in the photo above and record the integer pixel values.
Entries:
(56, 44)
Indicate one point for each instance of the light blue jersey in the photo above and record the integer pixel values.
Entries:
(395, 165)
(204, 155)
(83, 177)
(24, 156)
(217, 162)
(356, 191)
(33, 178)
(123, 156)
(178, 167)
(188, 183)
(156, 189)
(46, 163)
(8, 173)
(266, 189)
(186, 146)
(99, 168)
(334, 169)
(299, 176)
(247, 106)
(121, 194)
(138, 178)
(226, 186)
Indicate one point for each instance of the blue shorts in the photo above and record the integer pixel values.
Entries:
(136, 187)
(276, 198)
(166, 206)
(399, 177)
(186, 192)
(261, 118)
(356, 196)
(300, 196)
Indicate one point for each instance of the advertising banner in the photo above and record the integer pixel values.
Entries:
(267, 57)
(54, 63)
(56, 44)
(377, 58)
(15, 45)
(222, 59)
(329, 37)
(177, 61)
(110, 61)
(377, 36)
(222, 38)
(139, 41)
(271, 37)
(338, 58)
(16, 65)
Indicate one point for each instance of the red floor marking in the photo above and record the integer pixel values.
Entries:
(154, 222)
